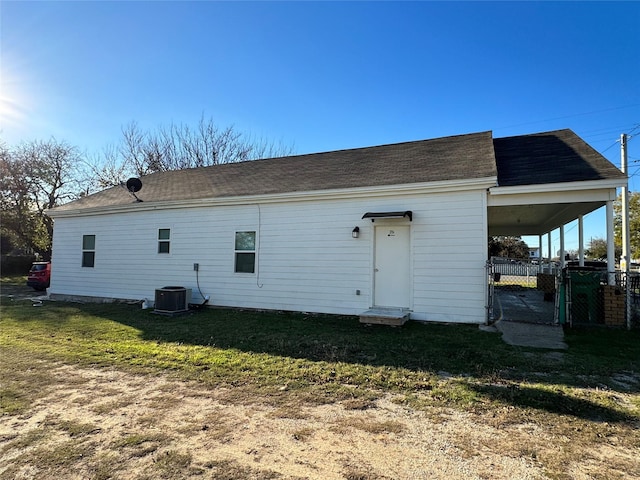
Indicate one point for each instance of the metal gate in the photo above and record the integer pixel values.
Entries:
(490, 293)
(521, 291)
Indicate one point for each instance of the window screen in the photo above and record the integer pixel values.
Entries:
(245, 252)
(88, 250)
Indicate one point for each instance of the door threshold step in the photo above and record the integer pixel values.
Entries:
(395, 317)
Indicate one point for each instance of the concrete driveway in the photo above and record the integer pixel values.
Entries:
(11, 293)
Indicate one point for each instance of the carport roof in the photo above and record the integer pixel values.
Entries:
(547, 180)
(550, 157)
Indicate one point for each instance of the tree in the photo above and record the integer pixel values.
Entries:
(597, 249)
(35, 177)
(39, 175)
(634, 223)
(177, 147)
(509, 247)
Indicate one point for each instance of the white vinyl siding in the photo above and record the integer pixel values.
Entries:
(306, 257)
(449, 276)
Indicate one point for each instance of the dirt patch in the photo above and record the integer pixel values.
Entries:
(104, 423)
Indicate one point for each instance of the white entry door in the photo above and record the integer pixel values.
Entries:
(392, 282)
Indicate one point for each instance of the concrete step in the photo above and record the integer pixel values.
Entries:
(385, 316)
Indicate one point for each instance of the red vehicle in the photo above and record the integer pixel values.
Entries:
(39, 276)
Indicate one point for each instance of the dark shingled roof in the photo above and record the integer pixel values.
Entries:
(549, 157)
(451, 158)
(542, 158)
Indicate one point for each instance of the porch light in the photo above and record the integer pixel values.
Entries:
(355, 233)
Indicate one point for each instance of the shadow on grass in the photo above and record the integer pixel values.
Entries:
(551, 401)
(454, 349)
(408, 355)
(437, 348)
(331, 338)
(457, 349)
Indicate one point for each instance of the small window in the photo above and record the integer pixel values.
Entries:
(245, 250)
(164, 237)
(88, 250)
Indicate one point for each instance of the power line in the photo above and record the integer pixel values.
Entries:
(629, 136)
(569, 116)
(607, 131)
(610, 146)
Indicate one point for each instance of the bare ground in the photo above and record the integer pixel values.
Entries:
(103, 423)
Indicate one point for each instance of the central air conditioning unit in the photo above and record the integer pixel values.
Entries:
(171, 300)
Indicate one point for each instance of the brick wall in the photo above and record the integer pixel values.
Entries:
(614, 306)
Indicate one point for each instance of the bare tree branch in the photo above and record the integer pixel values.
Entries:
(179, 146)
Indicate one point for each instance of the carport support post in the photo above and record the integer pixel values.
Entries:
(540, 256)
(549, 249)
(611, 251)
(562, 261)
(581, 240)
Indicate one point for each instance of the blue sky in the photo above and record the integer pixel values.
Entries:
(323, 76)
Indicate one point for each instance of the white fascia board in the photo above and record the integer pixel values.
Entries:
(447, 186)
(601, 195)
(569, 192)
(558, 187)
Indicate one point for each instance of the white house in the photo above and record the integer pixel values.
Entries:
(401, 226)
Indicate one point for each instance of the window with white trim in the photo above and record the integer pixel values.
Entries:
(88, 250)
(245, 252)
(164, 240)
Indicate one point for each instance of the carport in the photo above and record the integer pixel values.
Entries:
(548, 180)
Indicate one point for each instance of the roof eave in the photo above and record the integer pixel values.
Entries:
(373, 191)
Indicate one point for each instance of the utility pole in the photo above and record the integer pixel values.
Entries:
(625, 261)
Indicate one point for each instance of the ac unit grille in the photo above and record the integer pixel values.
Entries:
(172, 299)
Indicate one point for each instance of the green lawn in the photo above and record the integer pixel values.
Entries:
(325, 358)
(586, 398)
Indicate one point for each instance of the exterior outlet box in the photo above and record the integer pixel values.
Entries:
(357, 292)
(196, 267)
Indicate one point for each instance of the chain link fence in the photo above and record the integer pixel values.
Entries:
(591, 300)
(524, 291)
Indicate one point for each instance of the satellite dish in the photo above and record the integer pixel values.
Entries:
(134, 185)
